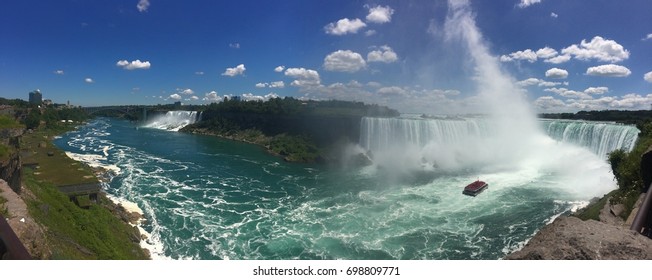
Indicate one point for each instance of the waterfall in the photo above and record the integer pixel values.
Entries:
(601, 138)
(378, 134)
(173, 120)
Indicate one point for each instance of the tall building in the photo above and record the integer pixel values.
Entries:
(35, 97)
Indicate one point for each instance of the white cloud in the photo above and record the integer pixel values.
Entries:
(279, 68)
(569, 93)
(374, 84)
(143, 5)
(648, 37)
(261, 85)
(549, 102)
(251, 97)
(526, 3)
(303, 77)
(556, 73)
(277, 84)
(344, 61)
(553, 15)
(537, 82)
(175, 96)
(380, 14)
(199, 73)
(59, 72)
(234, 45)
(384, 54)
(185, 91)
(546, 52)
(609, 70)
(596, 90)
(648, 77)
(528, 55)
(212, 97)
(558, 59)
(344, 26)
(391, 91)
(232, 72)
(599, 49)
(370, 32)
(194, 98)
(136, 64)
(633, 101)
(89, 80)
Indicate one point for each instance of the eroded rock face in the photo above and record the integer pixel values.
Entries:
(569, 238)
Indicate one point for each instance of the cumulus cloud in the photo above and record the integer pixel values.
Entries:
(252, 97)
(261, 85)
(383, 54)
(648, 77)
(558, 59)
(212, 97)
(232, 72)
(548, 102)
(569, 93)
(303, 77)
(370, 32)
(186, 91)
(609, 70)
(175, 96)
(89, 80)
(143, 5)
(598, 49)
(277, 84)
(537, 82)
(546, 52)
(194, 98)
(554, 15)
(380, 14)
(391, 91)
(344, 61)
(556, 73)
(58, 72)
(596, 90)
(648, 37)
(527, 3)
(279, 68)
(528, 55)
(136, 64)
(344, 26)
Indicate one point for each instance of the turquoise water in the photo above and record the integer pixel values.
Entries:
(208, 198)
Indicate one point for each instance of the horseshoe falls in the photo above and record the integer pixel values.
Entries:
(209, 198)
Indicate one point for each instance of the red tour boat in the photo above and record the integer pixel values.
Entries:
(475, 188)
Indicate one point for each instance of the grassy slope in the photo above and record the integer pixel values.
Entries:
(72, 232)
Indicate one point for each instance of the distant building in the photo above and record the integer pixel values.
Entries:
(35, 97)
(177, 104)
(47, 102)
(237, 98)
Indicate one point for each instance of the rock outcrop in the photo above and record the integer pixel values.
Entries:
(570, 238)
(10, 168)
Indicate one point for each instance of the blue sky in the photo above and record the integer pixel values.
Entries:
(566, 56)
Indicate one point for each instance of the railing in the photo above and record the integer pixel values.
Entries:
(642, 214)
(10, 246)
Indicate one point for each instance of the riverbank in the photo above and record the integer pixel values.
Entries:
(101, 229)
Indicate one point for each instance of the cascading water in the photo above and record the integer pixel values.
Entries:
(174, 120)
(600, 138)
(379, 134)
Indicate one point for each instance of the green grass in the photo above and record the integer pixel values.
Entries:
(5, 151)
(75, 233)
(57, 169)
(592, 211)
(3, 209)
(8, 122)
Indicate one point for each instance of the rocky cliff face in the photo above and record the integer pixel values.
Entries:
(10, 168)
(570, 238)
